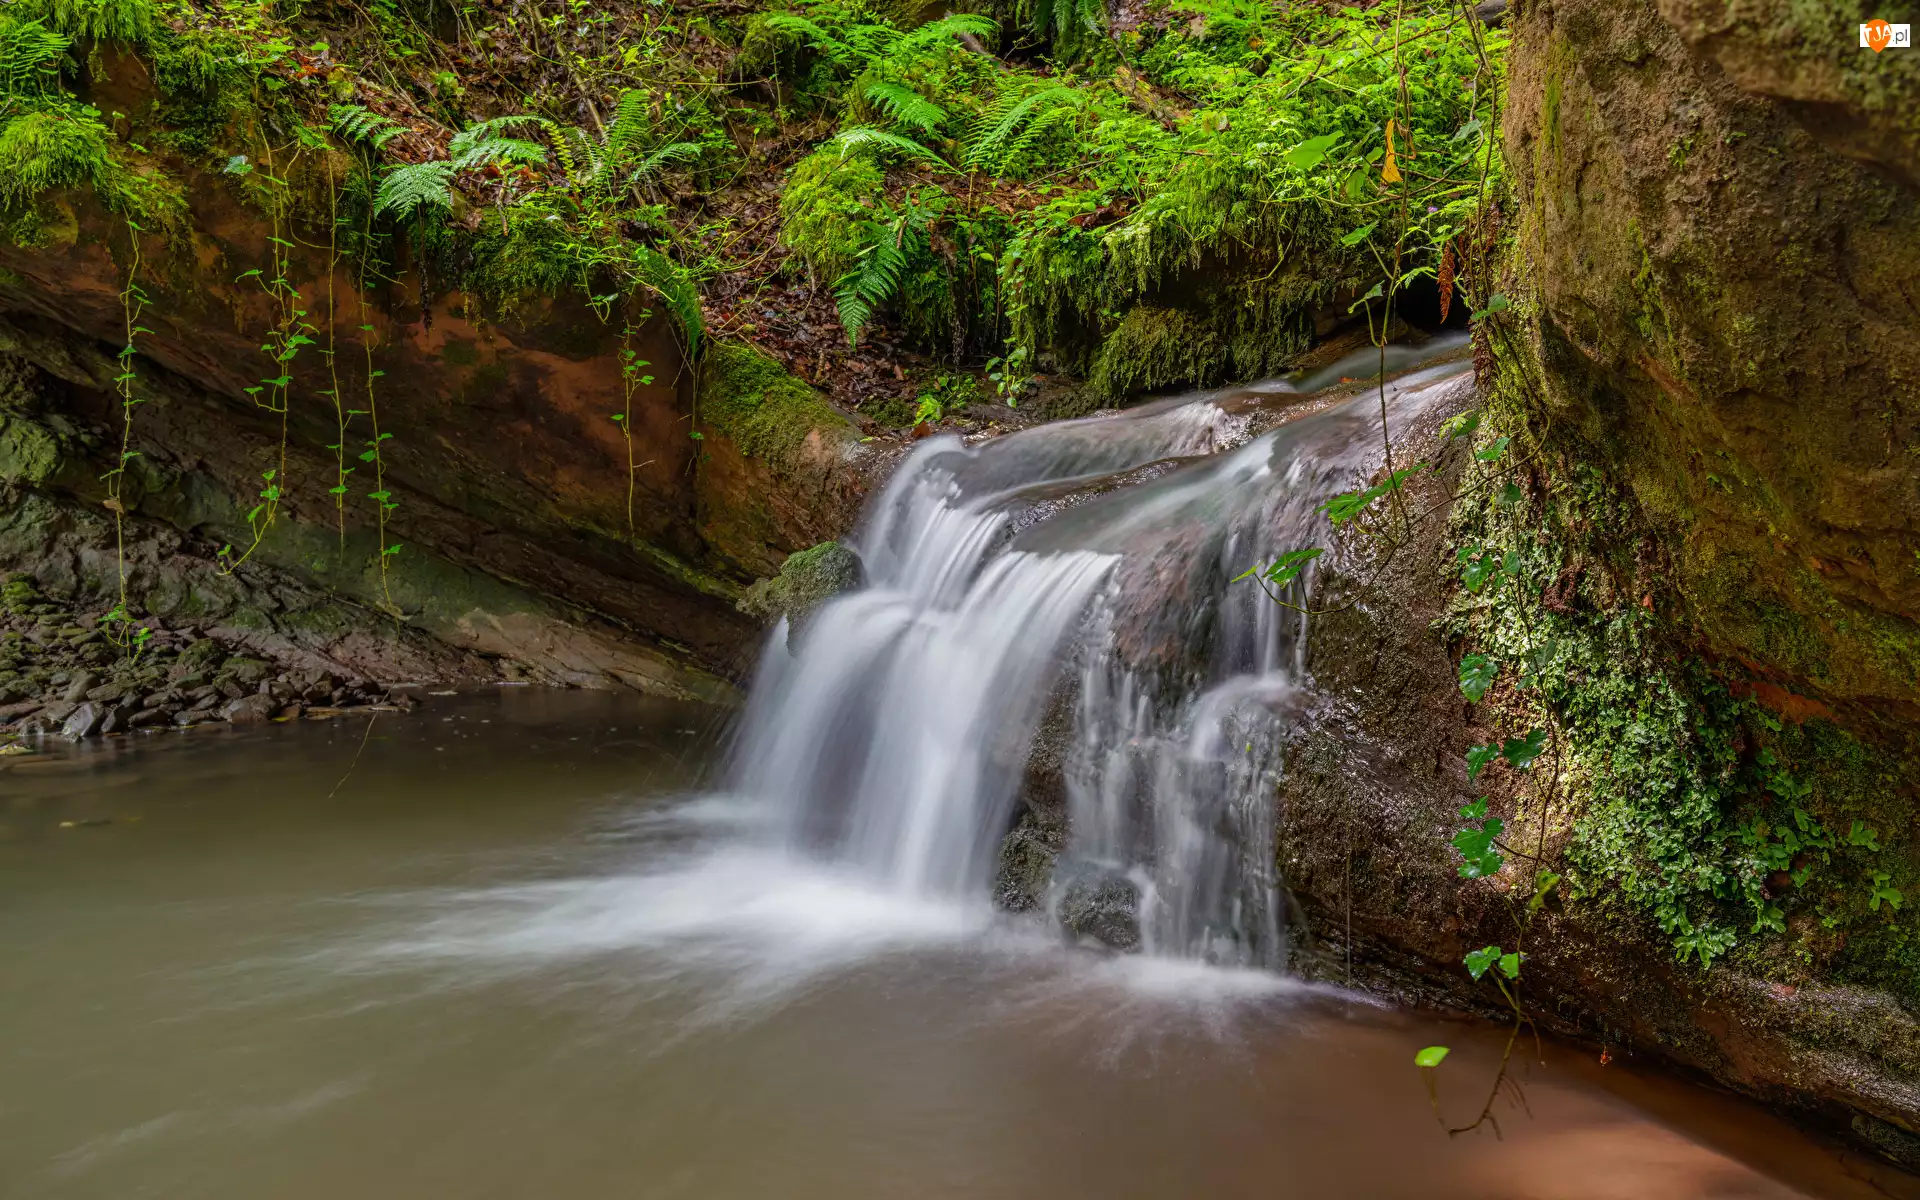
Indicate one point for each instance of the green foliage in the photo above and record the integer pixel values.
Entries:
(131, 21)
(1475, 843)
(907, 107)
(31, 56)
(414, 189)
(876, 275)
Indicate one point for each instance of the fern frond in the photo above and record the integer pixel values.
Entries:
(498, 150)
(583, 158)
(409, 189)
(495, 130)
(30, 58)
(875, 279)
(632, 125)
(865, 137)
(950, 26)
(676, 290)
(794, 28)
(356, 123)
(991, 143)
(906, 106)
(670, 153)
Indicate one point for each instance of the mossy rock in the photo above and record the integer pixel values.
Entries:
(807, 580)
(766, 412)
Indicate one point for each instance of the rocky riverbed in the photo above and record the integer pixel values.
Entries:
(61, 673)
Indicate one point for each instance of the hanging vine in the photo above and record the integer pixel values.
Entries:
(119, 625)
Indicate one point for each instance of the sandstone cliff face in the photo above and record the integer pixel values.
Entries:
(532, 530)
(1720, 222)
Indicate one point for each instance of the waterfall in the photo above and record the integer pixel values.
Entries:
(1083, 564)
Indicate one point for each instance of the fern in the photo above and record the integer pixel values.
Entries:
(865, 137)
(495, 130)
(676, 290)
(632, 126)
(950, 26)
(1066, 22)
(996, 139)
(30, 58)
(875, 279)
(671, 153)
(412, 189)
(906, 106)
(356, 123)
(791, 28)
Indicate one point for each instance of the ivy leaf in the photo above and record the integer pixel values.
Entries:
(1510, 965)
(1508, 495)
(1359, 235)
(1312, 152)
(1461, 425)
(1475, 844)
(1520, 753)
(1468, 130)
(1285, 569)
(1431, 1057)
(1474, 811)
(1478, 566)
(1479, 960)
(1372, 295)
(1477, 759)
(1493, 450)
(237, 165)
(1496, 304)
(1477, 672)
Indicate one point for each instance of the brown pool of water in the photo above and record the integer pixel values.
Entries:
(501, 948)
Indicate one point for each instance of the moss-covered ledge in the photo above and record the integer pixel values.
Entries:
(779, 466)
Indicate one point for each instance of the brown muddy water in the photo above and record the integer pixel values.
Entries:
(517, 954)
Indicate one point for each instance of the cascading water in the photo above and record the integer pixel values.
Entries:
(1086, 563)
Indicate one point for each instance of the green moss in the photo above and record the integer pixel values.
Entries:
(826, 198)
(130, 21)
(29, 454)
(764, 411)
(1697, 808)
(1155, 348)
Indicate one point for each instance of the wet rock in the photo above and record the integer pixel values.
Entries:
(15, 711)
(807, 580)
(1098, 904)
(82, 684)
(119, 718)
(147, 717)
(193, 717)
(249, 710)
(84, 722)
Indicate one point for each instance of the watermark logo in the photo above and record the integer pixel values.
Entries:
(1877, 35)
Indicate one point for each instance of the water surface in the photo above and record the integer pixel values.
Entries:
(514, 954)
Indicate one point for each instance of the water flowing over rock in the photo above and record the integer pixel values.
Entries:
(1086, 568)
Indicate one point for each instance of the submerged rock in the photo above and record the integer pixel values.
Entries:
(1099, 904)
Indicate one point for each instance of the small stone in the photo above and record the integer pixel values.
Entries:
(119, 718)
(147, 717)
(291, 712)
(193, 717)
(59, 711)
(77, 690)
(249, 710)
(84, 722)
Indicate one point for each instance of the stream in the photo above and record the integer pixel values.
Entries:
(514, 955)
(548, 943)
